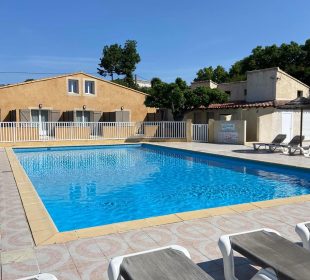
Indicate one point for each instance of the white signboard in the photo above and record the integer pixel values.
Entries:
(228, 137)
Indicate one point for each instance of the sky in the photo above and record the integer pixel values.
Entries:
(175, 37)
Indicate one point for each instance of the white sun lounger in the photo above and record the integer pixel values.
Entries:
(43, 276)
(305, 151)
(303, 230)
(276, 141)
(171, 262)
(291, 150)
(281, 258)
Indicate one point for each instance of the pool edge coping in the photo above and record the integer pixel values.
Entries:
(235, 157)
(45, 232)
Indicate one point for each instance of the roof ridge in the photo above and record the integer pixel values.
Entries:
(72, 74)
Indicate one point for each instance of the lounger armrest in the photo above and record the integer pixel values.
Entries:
(303, 231)
(115, 263)
(228, 255)
(43, 276)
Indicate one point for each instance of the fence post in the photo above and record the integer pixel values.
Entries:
(189, 130)
(211, 133)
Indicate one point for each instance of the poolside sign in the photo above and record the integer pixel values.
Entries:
(228, 126)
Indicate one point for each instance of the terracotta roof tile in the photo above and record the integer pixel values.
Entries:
(245, 105)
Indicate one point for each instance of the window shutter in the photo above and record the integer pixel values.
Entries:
(95, 116)
(118, 116)
(72, 116)
(24, 115)
(69, 116)
(91, 116)
(112, 117)
(53, 115)
(125, 116)
(122, 116)
(106, 116)
(13, 115)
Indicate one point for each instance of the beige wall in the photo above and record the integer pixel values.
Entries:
(251, 117)
(261, 85)
(209, 84)
(287, 87)
(236, 90)
(273, 84)
(53, 94)
(270, 125)
(197, 116)
(236, 114)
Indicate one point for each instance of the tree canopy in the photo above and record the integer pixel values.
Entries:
(180, 98)
(120, 61)
(292, 58)
(218, 75)
(110, 62)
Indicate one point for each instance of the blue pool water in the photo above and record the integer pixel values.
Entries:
(90, 186)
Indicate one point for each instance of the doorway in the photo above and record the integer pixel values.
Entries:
(287, 125)
(41, 117)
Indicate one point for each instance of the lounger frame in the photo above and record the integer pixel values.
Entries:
(115, 263)
(303, 231)
(43, 276)
(305, 151)
(275, 142)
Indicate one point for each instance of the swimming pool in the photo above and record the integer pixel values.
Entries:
(98, 185)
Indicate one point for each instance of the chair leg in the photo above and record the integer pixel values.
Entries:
(228, 257)
(265, 274)
(272, 148)
(304, 235)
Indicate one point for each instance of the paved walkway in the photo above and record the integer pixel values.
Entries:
(241, 151)
(88, 258)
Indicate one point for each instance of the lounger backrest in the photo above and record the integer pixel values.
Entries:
(279, 139)
(296, 140)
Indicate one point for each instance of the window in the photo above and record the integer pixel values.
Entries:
(73, 86)
(228, 92)
(299, 93)
(90, 87)
(245, 92)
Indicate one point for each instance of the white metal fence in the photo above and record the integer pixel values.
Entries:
(200, 132)
(56, 131)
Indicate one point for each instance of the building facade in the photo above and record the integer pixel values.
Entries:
(75, 97)
(256, 101)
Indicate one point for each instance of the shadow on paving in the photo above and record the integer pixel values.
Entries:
(243, 268)
(255, 152)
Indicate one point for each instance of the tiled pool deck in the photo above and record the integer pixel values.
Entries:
(87, 258)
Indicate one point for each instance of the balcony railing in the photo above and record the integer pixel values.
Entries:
(61, 131)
